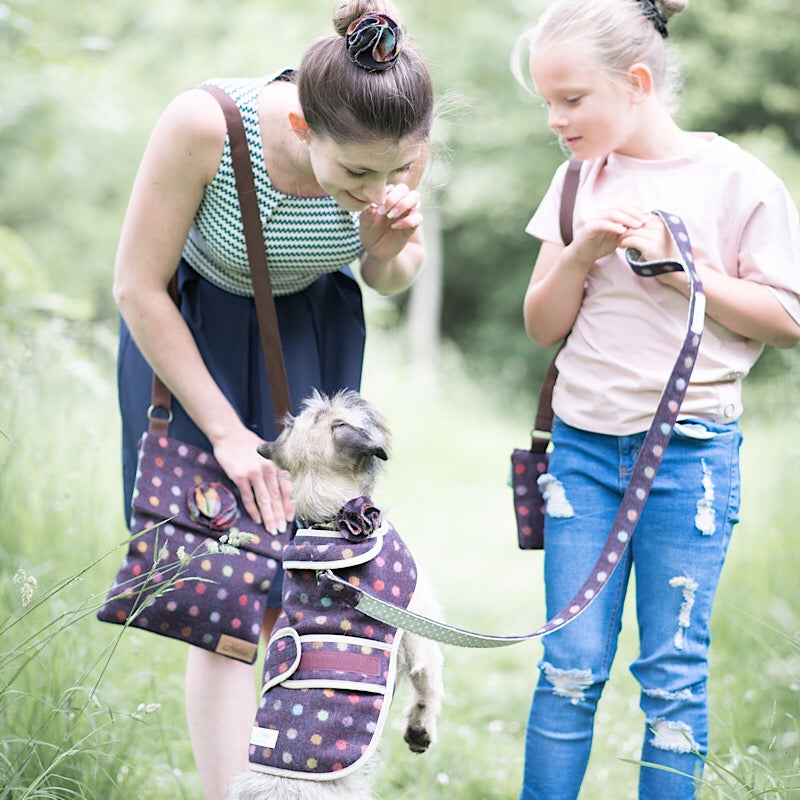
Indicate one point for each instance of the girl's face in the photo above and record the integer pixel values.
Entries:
(357, 174)
(591, 114)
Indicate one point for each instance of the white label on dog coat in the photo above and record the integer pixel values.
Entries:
(264, 737)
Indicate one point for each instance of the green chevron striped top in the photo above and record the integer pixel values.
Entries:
(305, 236)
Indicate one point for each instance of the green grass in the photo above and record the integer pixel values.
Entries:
(86, 714)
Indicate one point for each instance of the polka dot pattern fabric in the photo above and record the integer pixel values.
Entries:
(526, 468)
(177, 579)
(329, 672)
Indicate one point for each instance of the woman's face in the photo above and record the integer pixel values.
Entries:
(357, 174)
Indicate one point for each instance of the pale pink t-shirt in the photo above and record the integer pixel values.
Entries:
(626, 337)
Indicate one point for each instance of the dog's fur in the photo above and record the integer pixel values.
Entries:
(333, 451)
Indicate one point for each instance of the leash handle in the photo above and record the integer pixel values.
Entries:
(633, 501)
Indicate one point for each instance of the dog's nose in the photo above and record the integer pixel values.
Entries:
(265, 449)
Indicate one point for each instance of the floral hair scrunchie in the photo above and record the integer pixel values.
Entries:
(652, 12)
(358, 519)
(373, 42)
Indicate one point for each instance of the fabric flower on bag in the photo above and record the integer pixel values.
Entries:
(358, 519)
(213, 505)
(373, 42)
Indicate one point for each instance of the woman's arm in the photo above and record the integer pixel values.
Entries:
(181, 158)
(396, 274)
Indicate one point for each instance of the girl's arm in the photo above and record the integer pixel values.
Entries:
(555, 292)
(181, 158)
(742, 306)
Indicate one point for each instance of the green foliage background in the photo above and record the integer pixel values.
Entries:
(80, 87)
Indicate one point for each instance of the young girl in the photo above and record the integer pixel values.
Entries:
(337, 149)
(601, 69)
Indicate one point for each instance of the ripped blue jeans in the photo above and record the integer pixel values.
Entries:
(675, 555)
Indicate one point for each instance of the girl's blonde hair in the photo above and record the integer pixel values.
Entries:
(348, 103)
(618, 34)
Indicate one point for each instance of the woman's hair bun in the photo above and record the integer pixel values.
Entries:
(347, 11)
(368, 81)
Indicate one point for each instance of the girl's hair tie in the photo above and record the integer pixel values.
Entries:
(650, 10)
(373, 42)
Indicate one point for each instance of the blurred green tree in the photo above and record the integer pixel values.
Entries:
(742, 72)
(82, 85)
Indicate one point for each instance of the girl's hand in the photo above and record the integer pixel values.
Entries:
(386, 228)
(604, 233)
(654, 242)
(266, 490)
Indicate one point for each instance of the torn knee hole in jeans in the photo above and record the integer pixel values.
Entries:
(570, 683)
(554, 496)
(688, 587)
(663, 694)
(705, 519)
(674, 736)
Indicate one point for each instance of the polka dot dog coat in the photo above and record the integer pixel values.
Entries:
(330, 671)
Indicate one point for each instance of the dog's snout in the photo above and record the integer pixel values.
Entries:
(265, 449)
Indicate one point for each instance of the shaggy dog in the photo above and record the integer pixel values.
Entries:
(334, 450)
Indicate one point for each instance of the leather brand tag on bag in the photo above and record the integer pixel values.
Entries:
(236, 648)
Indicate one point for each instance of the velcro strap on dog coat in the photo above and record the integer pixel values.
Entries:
(318, 661)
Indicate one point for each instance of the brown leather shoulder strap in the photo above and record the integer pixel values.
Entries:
(159, 414)
(256, 253)
(544, 411)
(568, 195)
(257, 258)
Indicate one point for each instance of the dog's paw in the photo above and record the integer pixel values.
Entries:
(417, 738)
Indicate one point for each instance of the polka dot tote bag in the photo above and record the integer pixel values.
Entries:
(197, 567)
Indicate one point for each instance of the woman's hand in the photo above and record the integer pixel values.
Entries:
(266, 491)
(386, 228)
(392, 239)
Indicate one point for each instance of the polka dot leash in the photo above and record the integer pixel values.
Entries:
(633, 501)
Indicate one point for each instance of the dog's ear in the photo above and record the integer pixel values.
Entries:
(356, 443)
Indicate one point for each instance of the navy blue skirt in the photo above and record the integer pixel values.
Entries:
(322, 334)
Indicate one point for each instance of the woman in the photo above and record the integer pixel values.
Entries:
(337, 149)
